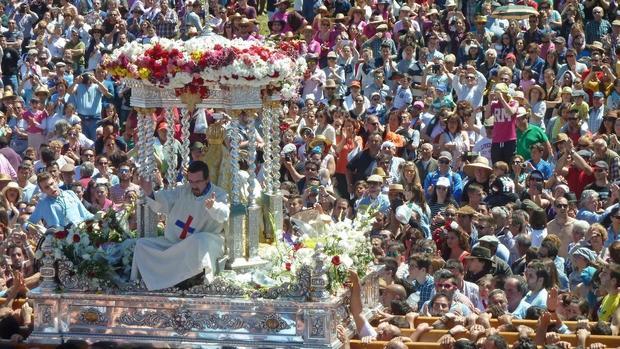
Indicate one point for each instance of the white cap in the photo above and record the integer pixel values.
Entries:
(403, 214)
(289, 148)
(443, 182)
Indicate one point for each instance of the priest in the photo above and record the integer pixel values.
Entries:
(195, 216)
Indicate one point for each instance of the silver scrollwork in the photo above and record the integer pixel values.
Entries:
(299, 290)
(68, 277)
(46, 315)
(183, 321)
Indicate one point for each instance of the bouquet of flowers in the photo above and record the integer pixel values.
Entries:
(342, 246)
(100, 250)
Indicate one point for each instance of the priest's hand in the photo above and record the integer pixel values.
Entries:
(147, 186)
(210, 201)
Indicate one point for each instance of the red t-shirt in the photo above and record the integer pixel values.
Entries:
(577, 180)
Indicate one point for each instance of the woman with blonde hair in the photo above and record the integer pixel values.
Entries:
(409, 178)
(9, 197)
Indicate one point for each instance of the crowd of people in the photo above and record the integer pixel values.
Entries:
(486, 148)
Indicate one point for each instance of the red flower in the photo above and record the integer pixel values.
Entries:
(287, 265)
(76, 238)
(336, 260)
(284, 126)
(61, 234)
(297, 246)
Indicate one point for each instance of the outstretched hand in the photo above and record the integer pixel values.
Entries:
(210, 201)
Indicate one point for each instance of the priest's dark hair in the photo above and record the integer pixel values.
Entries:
(199, 166)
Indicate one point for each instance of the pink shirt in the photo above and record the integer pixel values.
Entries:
(505, 125)
(37, 116)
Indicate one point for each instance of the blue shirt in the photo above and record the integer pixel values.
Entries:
(538, 299)
(544, 167)
(456, 183)
(87, 99)
(381, 203)
(425, 289)
(612, 236)
(60, 211)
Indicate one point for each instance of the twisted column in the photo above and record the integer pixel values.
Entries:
(185, 119)
(268, 155)
(170, 151)
(276, 112)
(251, 158)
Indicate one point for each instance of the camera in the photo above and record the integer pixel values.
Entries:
(436, 68)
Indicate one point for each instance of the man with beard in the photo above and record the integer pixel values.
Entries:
(195, 216)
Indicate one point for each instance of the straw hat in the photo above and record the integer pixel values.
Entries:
(318, 140)
(379, 171)
(541, 91)
(5, 177)
(480, 162)
(340, 18)
(376, 20)
(11, 185)
(356, 9)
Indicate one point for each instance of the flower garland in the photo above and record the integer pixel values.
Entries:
(186, 66)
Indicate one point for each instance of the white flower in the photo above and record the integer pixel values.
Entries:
(86, 257)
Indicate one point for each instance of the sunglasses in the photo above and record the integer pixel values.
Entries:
(444, 161)
(446, 285)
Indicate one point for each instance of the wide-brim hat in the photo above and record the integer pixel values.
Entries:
(540, 90)
(98, 28)
(282, 2)
(271, 23)
(42, 89)
(9, 186)
(322, 9)
(318, 140)
(376, 20)
(356, 9)
(5, 177)
(379, 171)
(480, 252)
(340, 18)
(8, 94)
(597, 46)
(480, 162)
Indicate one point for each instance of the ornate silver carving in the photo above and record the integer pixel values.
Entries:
(68, 278)
(183, 321)
(46, 315)
(92, 316)
(47, 270)
(219, 287)
(299, 290)
(318, 327)
(319, 279)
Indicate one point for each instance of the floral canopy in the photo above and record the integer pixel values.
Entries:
(190, 66)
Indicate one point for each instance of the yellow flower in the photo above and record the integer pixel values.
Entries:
(196, 55)
(144, 73)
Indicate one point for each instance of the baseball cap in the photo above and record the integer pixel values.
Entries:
(601, 164)
(289, 148)
(598, 94)
(445, 154)
(443, 182)
(418, 104)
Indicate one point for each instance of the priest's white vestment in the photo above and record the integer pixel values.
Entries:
(192, 239)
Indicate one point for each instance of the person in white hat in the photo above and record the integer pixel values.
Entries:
(373, 199)
(444, 171)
